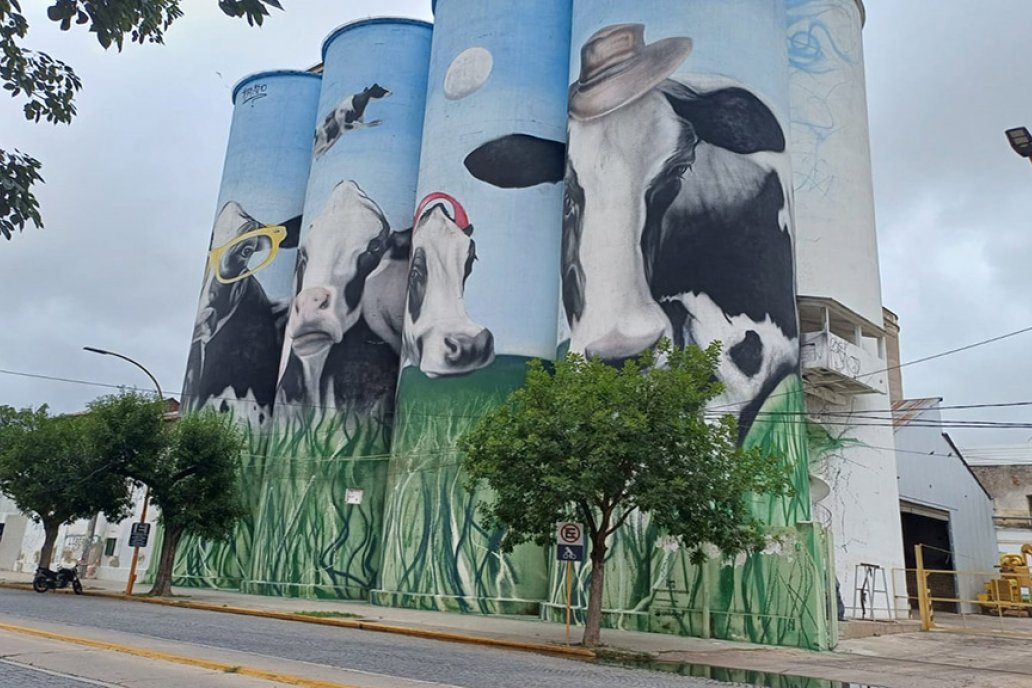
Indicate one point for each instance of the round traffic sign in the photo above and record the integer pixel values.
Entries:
(570, 534)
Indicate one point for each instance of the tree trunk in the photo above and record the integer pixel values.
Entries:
(163, 578)
(593, 623)
(49, 537)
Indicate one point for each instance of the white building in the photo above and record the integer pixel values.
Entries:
(944, 507)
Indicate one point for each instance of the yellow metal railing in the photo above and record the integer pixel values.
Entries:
(1006, 597)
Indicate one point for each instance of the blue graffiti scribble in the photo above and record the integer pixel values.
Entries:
(814, 51)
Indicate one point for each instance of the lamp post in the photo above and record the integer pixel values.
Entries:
(146, 494)
(1021, 141)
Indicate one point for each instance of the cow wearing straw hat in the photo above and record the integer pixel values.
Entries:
(676, 214)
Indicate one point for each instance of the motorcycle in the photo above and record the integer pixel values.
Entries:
(45, 579)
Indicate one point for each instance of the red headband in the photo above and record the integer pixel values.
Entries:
(461, 219)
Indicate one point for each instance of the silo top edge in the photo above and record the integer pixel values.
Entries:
(271, 73)
(366, 22)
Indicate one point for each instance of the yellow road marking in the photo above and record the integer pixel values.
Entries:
(177, 659)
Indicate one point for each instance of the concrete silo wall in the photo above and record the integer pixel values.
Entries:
(482, 292)
(678, 223)
(837, 255)
(319, 524)
(238, 333)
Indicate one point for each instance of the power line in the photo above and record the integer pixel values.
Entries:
(711, 409)
(949, 352)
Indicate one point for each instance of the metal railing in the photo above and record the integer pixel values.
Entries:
(1004, 607)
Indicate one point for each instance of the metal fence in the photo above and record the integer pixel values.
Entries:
(1003, 605)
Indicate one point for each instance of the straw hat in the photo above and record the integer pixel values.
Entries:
(617, 68)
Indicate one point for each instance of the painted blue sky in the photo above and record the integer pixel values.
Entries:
(267, 161)
(384, 160)
(514, 288)
(740, 39)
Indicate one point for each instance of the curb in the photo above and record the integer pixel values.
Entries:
(211, 665)
(376, 626)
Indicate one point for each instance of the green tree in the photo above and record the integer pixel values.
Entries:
(47, 86)
(594, 443)
(194, 484)
(49, 468)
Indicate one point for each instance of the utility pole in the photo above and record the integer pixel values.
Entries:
(146, 494)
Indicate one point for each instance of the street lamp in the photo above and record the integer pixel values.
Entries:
(146, 493)
(1021, 141)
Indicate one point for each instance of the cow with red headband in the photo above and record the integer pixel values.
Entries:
(439, 336)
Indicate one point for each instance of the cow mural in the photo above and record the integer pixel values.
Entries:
(347, 116)
(439, 336)
(343, 333)
(238, 332)
(676, 219)
(676, 216)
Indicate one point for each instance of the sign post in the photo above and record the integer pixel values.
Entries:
(569, 539)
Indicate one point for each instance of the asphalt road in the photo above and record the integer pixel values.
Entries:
(443, 663)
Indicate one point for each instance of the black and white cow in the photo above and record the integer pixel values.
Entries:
(238, 333)
(439, 335)
(343, 334)
(676, 223)
(347, 116)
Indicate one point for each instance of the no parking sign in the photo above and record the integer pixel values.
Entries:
(569, 542)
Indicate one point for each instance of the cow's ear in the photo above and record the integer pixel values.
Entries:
(518, 161)
(732, 118)
(293, 226)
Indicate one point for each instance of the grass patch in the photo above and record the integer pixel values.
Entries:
(232, 670)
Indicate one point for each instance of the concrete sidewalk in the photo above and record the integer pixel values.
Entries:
(890, 659)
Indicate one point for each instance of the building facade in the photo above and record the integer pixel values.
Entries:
(457, 203)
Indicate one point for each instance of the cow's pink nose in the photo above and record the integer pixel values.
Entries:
(312, 300)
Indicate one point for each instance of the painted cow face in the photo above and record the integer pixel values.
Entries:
(611, 162)
(439, 335)
(343, 246)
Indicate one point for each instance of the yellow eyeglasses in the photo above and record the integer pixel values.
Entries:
(246, 254)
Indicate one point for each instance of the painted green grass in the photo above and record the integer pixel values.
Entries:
(308, 541)
(774, 597)
(225, 563)
(437, 555)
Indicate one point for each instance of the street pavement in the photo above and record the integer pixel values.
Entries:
(888, 660)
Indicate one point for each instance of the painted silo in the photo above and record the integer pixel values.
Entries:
(482, 292)
(678, 224)
(319, 525)
(839, 284)
(248, 277)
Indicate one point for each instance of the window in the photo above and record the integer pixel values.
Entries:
(109, 546)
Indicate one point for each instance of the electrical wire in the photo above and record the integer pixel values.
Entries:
(709, 410)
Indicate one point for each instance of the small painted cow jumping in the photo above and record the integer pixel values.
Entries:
(347, 116)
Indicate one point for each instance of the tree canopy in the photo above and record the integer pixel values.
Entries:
(189, 467)
(47, 86)
(49, 468)
(594, 443)
(195, 485)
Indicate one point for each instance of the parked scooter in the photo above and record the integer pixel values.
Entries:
(46, 579)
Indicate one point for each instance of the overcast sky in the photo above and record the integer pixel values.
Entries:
(132, 186)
